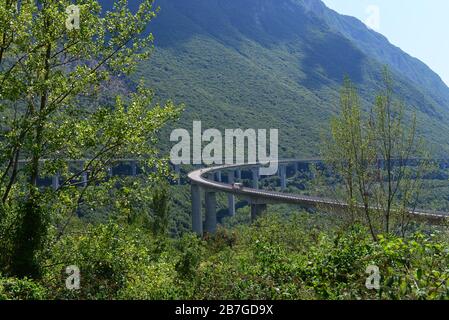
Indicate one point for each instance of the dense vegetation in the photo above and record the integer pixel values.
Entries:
(278, 257)
(54, 123)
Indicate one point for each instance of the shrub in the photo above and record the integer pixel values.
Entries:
(114, 262)
(21, 289)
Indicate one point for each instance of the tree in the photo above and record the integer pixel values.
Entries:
(378, 159)
(160, 207)
(52, 106)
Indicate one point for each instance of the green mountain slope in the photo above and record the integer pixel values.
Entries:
(377, 46)
(278, 64)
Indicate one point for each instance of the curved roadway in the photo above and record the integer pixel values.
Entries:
(199, 177)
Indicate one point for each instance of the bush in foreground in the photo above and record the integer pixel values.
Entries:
(275, 258)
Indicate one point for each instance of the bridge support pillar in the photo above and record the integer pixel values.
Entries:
(231, 197)
(211, 213)
(255, 174)
(283, 176)
(178, 174)
(238, 174)
(257, 210)
(84, 179)
(133, 169)
(197, 219)
(55, 182)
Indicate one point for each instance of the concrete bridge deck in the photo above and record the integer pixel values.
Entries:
(205, 179)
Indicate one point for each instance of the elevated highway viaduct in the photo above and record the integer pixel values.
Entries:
(209, 182)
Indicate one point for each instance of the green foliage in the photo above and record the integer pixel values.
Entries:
(51, 113)
(28, 238)
(191, 251)
(115, 263)
(415, 268)
(297, 259)
(335, 266)
(379, 160)
(160, 207)
(278, 257)
(21, 289)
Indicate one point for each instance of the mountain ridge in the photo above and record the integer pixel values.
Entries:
(255, 63)
(381, 48)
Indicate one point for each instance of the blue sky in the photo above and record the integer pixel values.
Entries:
(419, 27)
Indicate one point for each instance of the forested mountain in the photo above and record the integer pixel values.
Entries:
(279, 64)
(377, 46)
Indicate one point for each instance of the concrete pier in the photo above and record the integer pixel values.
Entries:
(257, 210)
(238, 174)
(255, 178)
(84, 179)
(283, 176)
(231, 197)
(178, 174)
(133, 169)
(55, 182)
(211, 212)
(197, 219)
